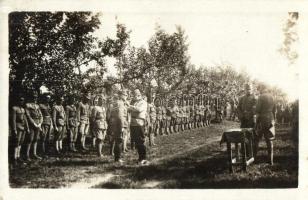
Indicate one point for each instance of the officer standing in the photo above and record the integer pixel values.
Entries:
(265, 126)
(246, 109)
(138, 114)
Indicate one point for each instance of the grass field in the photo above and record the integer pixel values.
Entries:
(192, 159)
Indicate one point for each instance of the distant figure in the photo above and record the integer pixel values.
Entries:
(265, 126)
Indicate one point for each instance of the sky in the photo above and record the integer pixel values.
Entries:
(248, 41)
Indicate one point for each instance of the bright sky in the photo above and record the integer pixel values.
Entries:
(248, 41)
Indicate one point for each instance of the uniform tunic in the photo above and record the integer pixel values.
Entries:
(246, 111)
(265, 110)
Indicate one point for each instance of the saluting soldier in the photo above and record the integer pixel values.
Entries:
(19, 127)
(72, 123)
(47, 125)
(265, 110)
(35, 120)
(83, 114)
(59, 117)
(98, 116)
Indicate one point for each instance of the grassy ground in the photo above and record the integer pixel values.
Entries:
(192, 159)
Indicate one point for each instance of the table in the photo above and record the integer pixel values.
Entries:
(243, 136)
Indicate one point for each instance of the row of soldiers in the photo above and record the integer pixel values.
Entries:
(34, 122)
(178, 114)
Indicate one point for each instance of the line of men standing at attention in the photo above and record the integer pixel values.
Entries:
(114, 119)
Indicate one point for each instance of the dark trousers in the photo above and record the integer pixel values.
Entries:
(117, 148)
(138, 136)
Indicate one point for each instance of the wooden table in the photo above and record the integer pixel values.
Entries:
(243, 136)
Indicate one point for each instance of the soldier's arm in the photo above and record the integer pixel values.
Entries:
(26, 123)
(93, 114)
(54, 118)
(29, 116)
(78, 112)
(66, 116)
(41, 117)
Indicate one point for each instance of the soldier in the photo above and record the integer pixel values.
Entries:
(83, 113)
(47, 125)
(265, 111)
(158, 116)
(180, 115)
(174, 116)
(208, 113)
(35, 120)
(246, 109)
(191, 113)
(119, 124)
(19, 127)
(186, 113)
(138, 114)
(168, 117)
(72, 124)
(98, 116)
(152, 122)
(164, 117)
(58, 116)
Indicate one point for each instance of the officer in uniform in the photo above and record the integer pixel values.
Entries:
(83, 114)
(59, 117)
(246, 108)
(72, 124)
(35, 120)
(47, 125)
(19, 127)
(265, 110)
(98, 116)
(138, 114)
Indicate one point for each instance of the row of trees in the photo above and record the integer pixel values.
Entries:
(52, 48)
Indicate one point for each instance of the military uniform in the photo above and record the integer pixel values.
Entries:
(34, 118)
(59, 117)
(83, 114)
(151, 123)
(119, 118)
(246, 111)
(19, 129)
(46, 125)
(72, 125)
(168, 120)
(174, 118)
(265, 110)
(164, 120)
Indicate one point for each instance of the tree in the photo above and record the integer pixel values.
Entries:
(51, 48)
